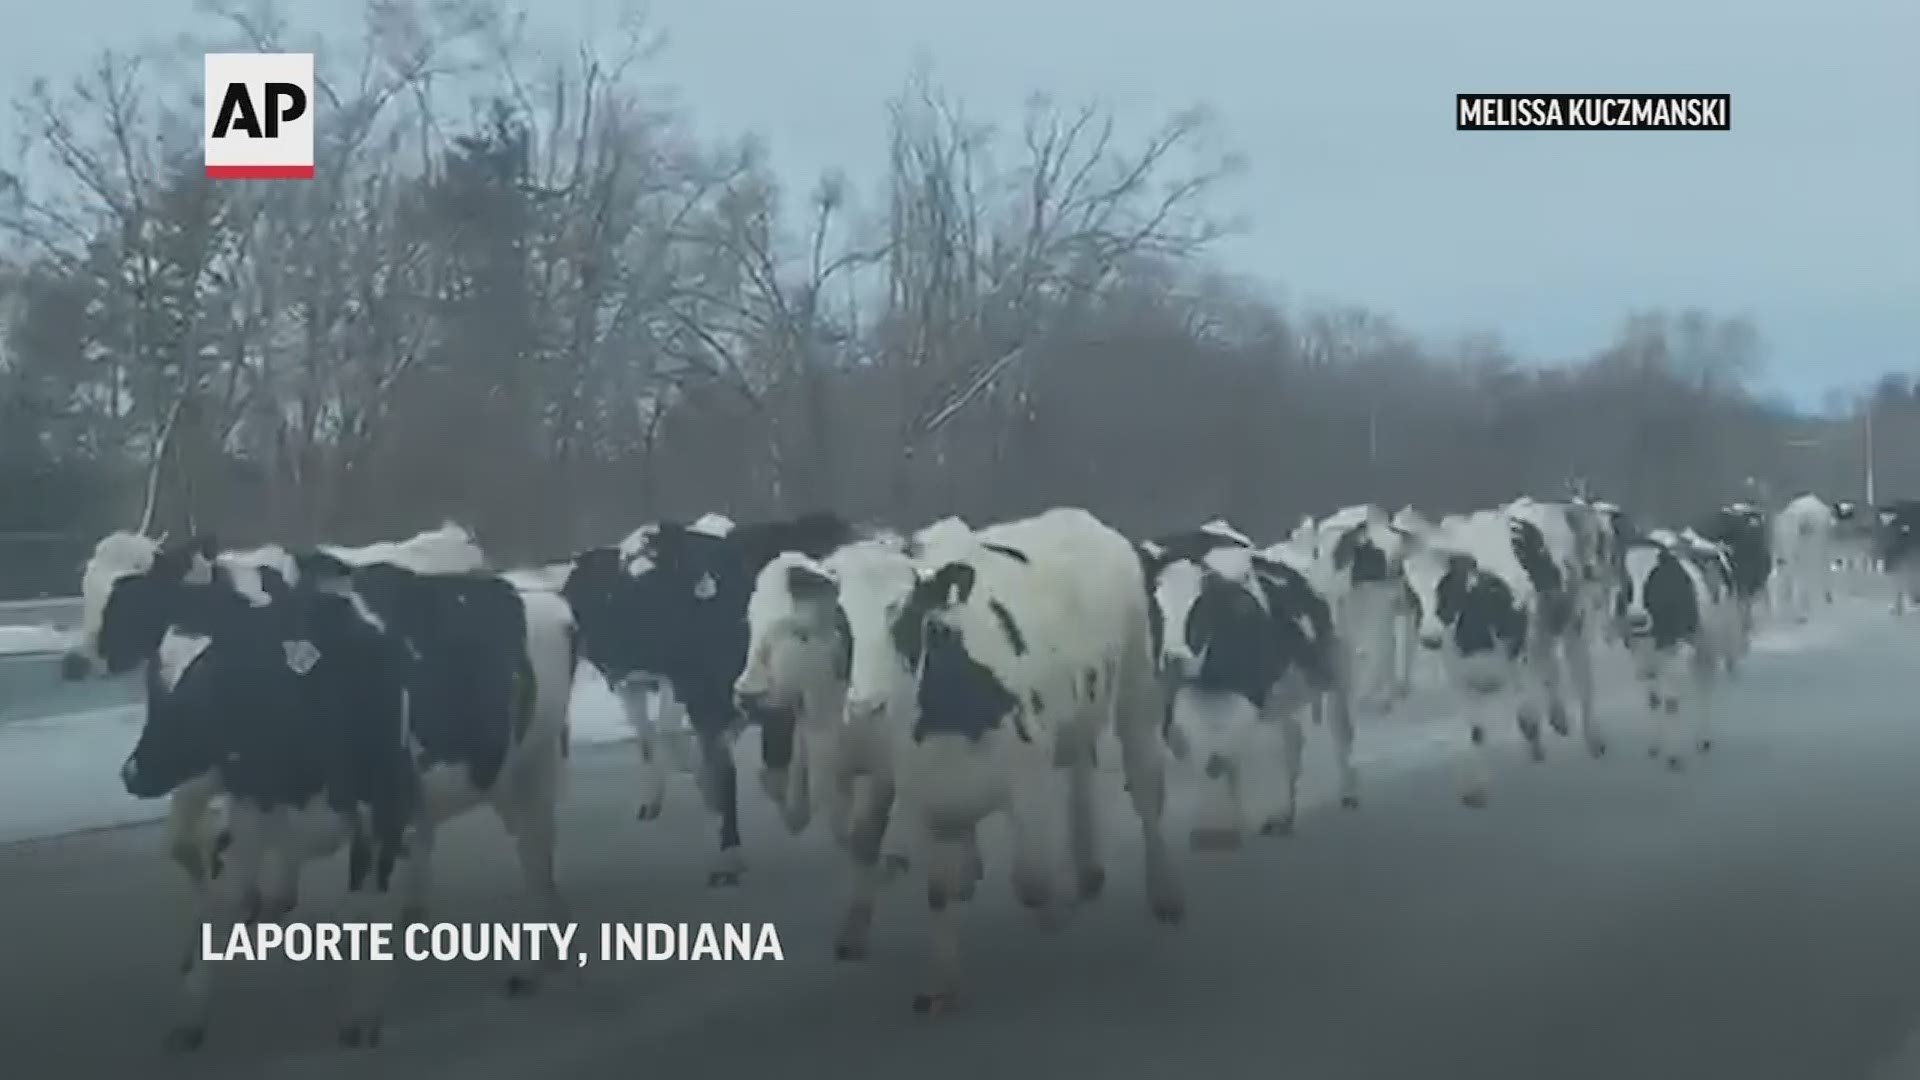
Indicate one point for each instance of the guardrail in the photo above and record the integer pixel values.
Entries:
(49, 610)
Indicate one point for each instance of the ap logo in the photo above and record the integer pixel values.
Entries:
(259, 116)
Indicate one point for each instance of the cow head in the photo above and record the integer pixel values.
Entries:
(797, 636)
(1438, 580)
(1648, 568)
(130, 592)
(932, 672)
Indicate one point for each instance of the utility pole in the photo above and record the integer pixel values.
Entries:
(1867, 414)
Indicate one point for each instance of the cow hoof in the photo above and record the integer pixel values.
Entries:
(522, 985)
(1277, 827)
(1536, 753)
(966, 889)
(360, 1033)
(1597, 749)
(1169, 911)
(1093, 881)
(1675, 764)
(413, 915)
(1474, 800)
(1214, 839)
(723, 879)
(1034, 893)
(251, 906)
(186, 1038)
(895, 865)
(1653, 752)
(1350, 802)
(849, 952)
(1706, 745)
(1557, 720)
(649, 811)
(933, 1004)
(277, 910)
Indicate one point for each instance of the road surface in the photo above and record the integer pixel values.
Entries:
(1752, 919)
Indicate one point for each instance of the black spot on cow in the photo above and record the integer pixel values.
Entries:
(1356, 552)
(951, 584)
(1090, 679)
(1036, 702)
(957, 694)
(842, 645)
(1480, 610)
(1008, 626)
(1010, 552)
(1673, 609)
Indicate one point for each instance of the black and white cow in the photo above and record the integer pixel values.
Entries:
(670, 603)
(802, 620)
(997, 670)
(1679, 616)
(357, 707)
(1897, 545)
(1496, 602)
(1568, 577)
(1247, 640)
(1742, 528)
(1361, 558)
(127, 594)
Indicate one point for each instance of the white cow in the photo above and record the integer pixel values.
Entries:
(1248, 639)
(1681, 622)
(1360, 559)
(802, 620)
(997, 672)
(1803, 554)
(1492, 624)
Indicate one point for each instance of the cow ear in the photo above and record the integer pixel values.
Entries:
(199, 569)
(706, 588)
(807, 584)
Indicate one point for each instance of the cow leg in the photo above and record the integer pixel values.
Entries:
(720, 784)
(1036, 814)
(187, 811)
(1579, 655)
(1292, 743)
(636, 703)
(783, 768)
(1340, 711)
(529, 813)
(230, 897)
(1702, 664)
(1083, 827)
(945, 855)
(1551, 684)
(863, 849)
(1144, 764)
(1408, 651)
(370, 887)
(1477, 768)
(418, 882)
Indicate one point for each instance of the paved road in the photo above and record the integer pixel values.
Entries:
(1754, 919)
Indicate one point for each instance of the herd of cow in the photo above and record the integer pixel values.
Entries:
(300, 701)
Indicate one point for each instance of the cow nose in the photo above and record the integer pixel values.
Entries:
(864, 710)
(1429, 641)
(75, 666)
(1218, 767)
(1639, 622)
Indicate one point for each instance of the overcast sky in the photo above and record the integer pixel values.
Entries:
(1805, 216)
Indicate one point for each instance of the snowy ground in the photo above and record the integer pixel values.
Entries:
(60, 772)
(18, 640)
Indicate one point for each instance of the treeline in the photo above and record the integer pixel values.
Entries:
(564, 309)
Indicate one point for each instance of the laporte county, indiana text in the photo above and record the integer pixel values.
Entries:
(445, 941)
(1594, 112)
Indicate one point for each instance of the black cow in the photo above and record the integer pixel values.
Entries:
(355, 706)
(1743, 529)
(671, 604)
